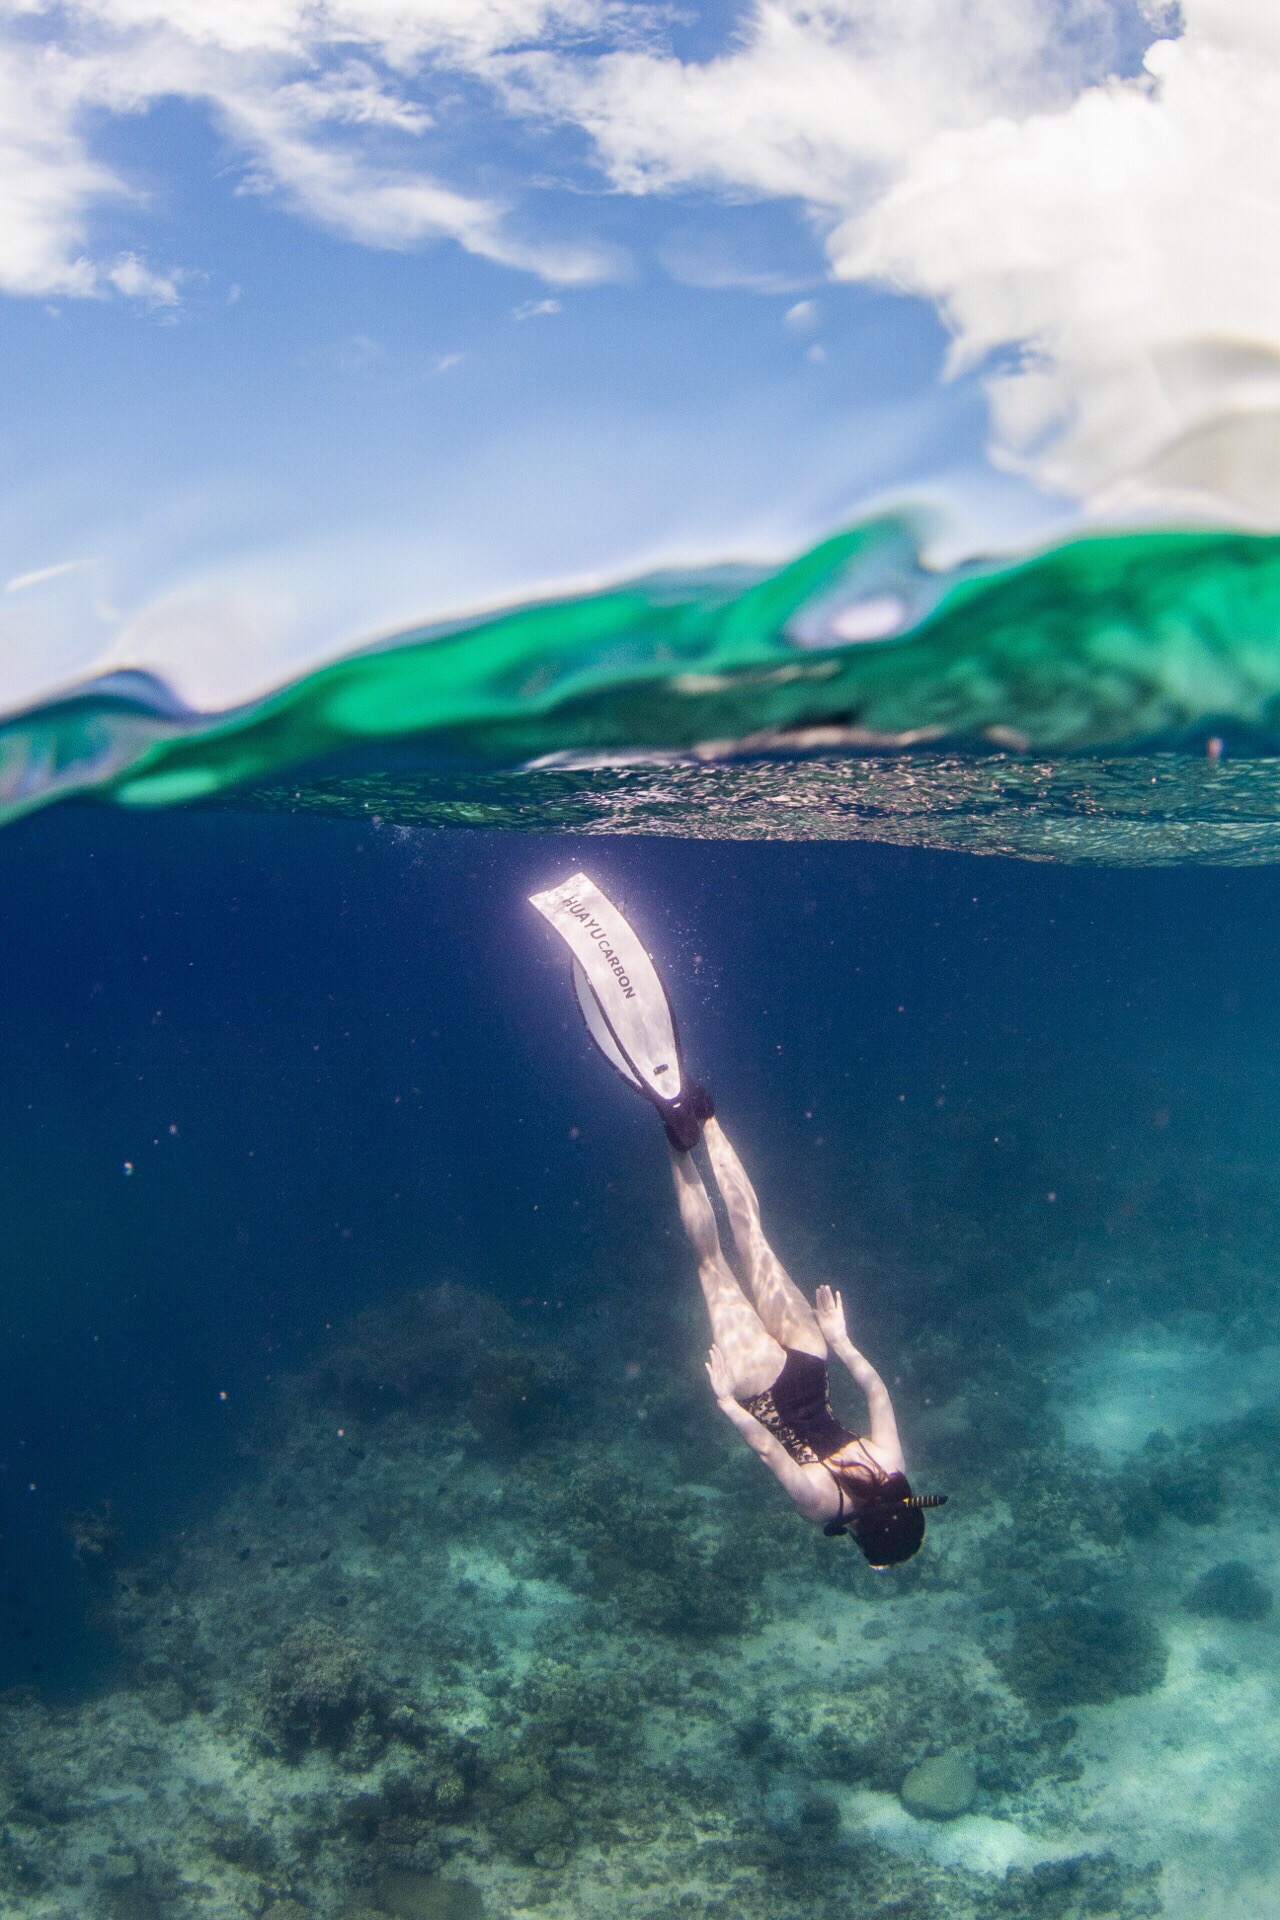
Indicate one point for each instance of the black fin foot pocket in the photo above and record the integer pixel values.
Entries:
(683, 1118)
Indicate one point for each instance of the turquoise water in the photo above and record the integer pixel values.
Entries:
(1141, 641)
(373, 1546)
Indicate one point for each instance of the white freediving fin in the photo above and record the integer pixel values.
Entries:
(623, 1002)
(630, 1021)
(598, 1026)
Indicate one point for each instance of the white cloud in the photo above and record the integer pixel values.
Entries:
(1104, 243)
(822, 100)
(323, 103)
(1101, 245)
(400, 32)
(41, 576)
(47, 179)
(698, 254)
(137, 281)
(1124, 248)
(329, 104)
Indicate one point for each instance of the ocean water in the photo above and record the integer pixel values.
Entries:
(1022, 687)
(372, 1544)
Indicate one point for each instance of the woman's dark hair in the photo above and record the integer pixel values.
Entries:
(888, 1531)
(888, 1523)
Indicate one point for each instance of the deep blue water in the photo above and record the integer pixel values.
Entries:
(341, 1062)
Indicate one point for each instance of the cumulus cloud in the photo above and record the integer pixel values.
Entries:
(329, 104)
(822, 100)
(1122, 248)
(1094, 224)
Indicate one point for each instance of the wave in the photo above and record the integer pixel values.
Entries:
(1117, 645)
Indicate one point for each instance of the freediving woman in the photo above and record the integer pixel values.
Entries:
(768, 1361)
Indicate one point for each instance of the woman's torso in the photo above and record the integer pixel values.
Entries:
(839, 1467)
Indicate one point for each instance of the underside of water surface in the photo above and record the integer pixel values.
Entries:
(1114, 699)
(1139, 810)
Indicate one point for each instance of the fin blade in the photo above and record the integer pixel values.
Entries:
(598, 1026)
(622, 982)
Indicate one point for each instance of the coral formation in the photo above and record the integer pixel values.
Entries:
(1231, 1590)
(1081, 1654)
(427, 1343)
(651, 1550)
(318, 1693)
(940, 1788)
(1063, 1889)
(415, 1896)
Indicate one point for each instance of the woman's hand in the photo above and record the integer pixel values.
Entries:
(719, 1375)
(828, 1309)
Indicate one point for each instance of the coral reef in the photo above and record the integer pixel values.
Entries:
(1231, 1590)
(443, 1653)
(431, 1343)
(1080, 1654)
(1063, 1889)
(652, 1550)
(318, 1693)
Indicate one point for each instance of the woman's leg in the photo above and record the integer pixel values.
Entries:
(783, 1308)
(755, 1360)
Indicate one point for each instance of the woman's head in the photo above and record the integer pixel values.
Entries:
(888, 1521)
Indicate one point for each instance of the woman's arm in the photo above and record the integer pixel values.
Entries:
(829, 1308)
(787, 1471)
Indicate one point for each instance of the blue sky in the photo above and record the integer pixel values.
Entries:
(317, 320)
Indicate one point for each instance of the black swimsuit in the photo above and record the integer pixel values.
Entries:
(796, 1410)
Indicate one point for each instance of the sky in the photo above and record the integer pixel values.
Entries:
(322, 318)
